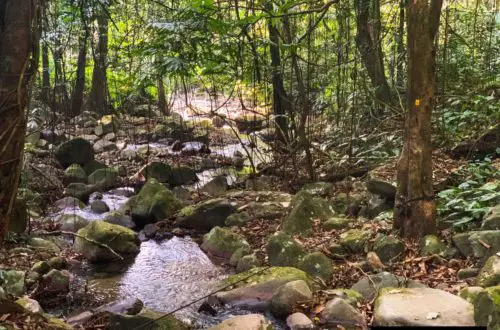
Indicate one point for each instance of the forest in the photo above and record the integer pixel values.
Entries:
(249, 164)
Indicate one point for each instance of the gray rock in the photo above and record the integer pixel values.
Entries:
(317, 264)
(159, 171)
(387, 247)
(285, 299)
(12, 282)
(99, 206)
(131, 306)
(247, 262)
(69, 202)
(76, 151)
(182, 175)
(338, 312)
(206, 215)
(74, 173)
(41, 267)
(244, 322)
(120, 239)
(491, 221)
(465, 273)
(430, 245)
(79, 191)
(306, 209)
(104, 145)
(299, 321)
(72, 222)
(30, 305)
(216, 187)
(222, 242)
(282, 250)
(368, 287)
(318, 188)
(472, 243)
(104, 179)
(382, 188)
(118, 218)
(354, 240)
(56, 281)
(421, 307)
(43, 244)
(490, 273)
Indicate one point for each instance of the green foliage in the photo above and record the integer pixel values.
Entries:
(466, 204)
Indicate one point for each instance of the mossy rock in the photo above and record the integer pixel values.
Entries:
(387, 247)
(352, 297)
(430, 245)
(121, 240)
(306, 209)
(75, 173)
(159, 171)
(146, 319)
(223, 242)
(12, 281)
(490, 273)
(471, 244)
(240, 253)
(265, 275)
(283, 250)
(354, 240)
(237, 219)
(470, 293)
(104, 179)
(153, 203)
(248, 262)
(93, 166)
(75, 151)
(337, 223)
(182, 175)
(491, 220)
(72, 222)
(487, 308)
(318, 188)
(206, 215)
(317, 264)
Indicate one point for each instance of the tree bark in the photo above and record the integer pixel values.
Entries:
(368, 41)
(77, 95)
(99, 90)
(162, 98)
(45, 73)
(415, 210)
(281, 102)
(16, 23)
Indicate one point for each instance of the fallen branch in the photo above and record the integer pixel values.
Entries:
(85, 238)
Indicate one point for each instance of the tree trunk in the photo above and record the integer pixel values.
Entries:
(16, 18)
(368, 41)
(415, 210)
(77, 95)
(99, 90)
(281, 102)
(45, 73)
(162, 98)
(400, 59)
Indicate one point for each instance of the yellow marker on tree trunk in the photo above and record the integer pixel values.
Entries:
(417, 102)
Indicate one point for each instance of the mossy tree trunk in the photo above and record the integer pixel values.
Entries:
(16, 41)
(415, 210)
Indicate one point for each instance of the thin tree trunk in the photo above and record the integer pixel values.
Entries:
(16, 17)
(368, 41)
(415, 210)
(99, 90)
(162, 98)
(45, 73)
(400, 59)
(77, 95)
(281, 102)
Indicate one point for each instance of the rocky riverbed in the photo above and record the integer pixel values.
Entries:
(146, 217)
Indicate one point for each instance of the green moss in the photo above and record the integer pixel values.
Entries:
(264, 275)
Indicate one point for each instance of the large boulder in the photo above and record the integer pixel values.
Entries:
(96, 241)
(72, 222)
(490, 273)
(487, 308)
(244, 322)
(206, 215)
(223, 242)
(381, 188)
(283, 250)
(491, 220)
(475, 243)
(369, 286)
(305, 209)
(76, 151)
(421, 307)
(287, 296)
(255, 292)
(104, 179)
(153, 203)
